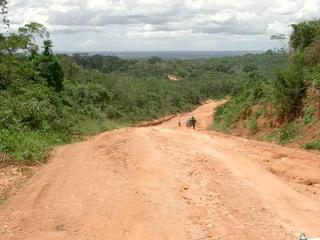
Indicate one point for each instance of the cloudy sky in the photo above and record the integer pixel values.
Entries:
(120, 25)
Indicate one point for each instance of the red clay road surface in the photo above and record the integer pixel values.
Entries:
(168, 183)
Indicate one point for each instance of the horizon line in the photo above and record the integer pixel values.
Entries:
(82, 51)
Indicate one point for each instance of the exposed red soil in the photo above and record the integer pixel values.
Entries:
(168, 182)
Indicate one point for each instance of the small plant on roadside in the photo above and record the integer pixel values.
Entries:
(313, 145)
(283, 135)
(308, 115)
(288, 133)
(312, 74)
(252, 124)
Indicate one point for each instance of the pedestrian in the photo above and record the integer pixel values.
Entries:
(188, 122)
(193, 122)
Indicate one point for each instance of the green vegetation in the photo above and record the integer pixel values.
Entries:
(308, 115)
(47, 99)
(287, 133)
(290, 94)
(252, 123)
(313, 145)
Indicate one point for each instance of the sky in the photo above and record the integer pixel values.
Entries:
(161, 25)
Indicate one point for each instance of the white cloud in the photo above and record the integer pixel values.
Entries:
(163, 24)
(158, 34)
(285, 7)
(278, 28)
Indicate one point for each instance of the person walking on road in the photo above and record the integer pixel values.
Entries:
(193, 122)
(188, 123)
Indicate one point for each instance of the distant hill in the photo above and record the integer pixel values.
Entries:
(169, 54)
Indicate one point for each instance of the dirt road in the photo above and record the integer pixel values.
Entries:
(166, 182)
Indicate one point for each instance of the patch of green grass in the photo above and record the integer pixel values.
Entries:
(27, 146)
(313, 145)
(92, 126)
(308, 115)
(218, 123)
(252, 124)
(224, 117)
(288, 133)
(284, 135)
(218, 128)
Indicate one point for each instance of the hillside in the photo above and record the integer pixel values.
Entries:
(285, 108)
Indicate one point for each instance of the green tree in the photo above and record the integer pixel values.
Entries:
(4, 12)
(25, 39)
(47, 45)
(49, 67)
(31, 32)
(10, 45)
(250, 68)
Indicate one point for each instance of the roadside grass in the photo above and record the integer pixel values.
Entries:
(93, 126)
(284, 135)
(252, 124)
(26, 147)
(308, 115)
(218, 128)
(313, 145)
(219, 123)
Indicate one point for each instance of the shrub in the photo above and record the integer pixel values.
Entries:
(304, 33)
(313, 53)
(312, 74)
(288, 90)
